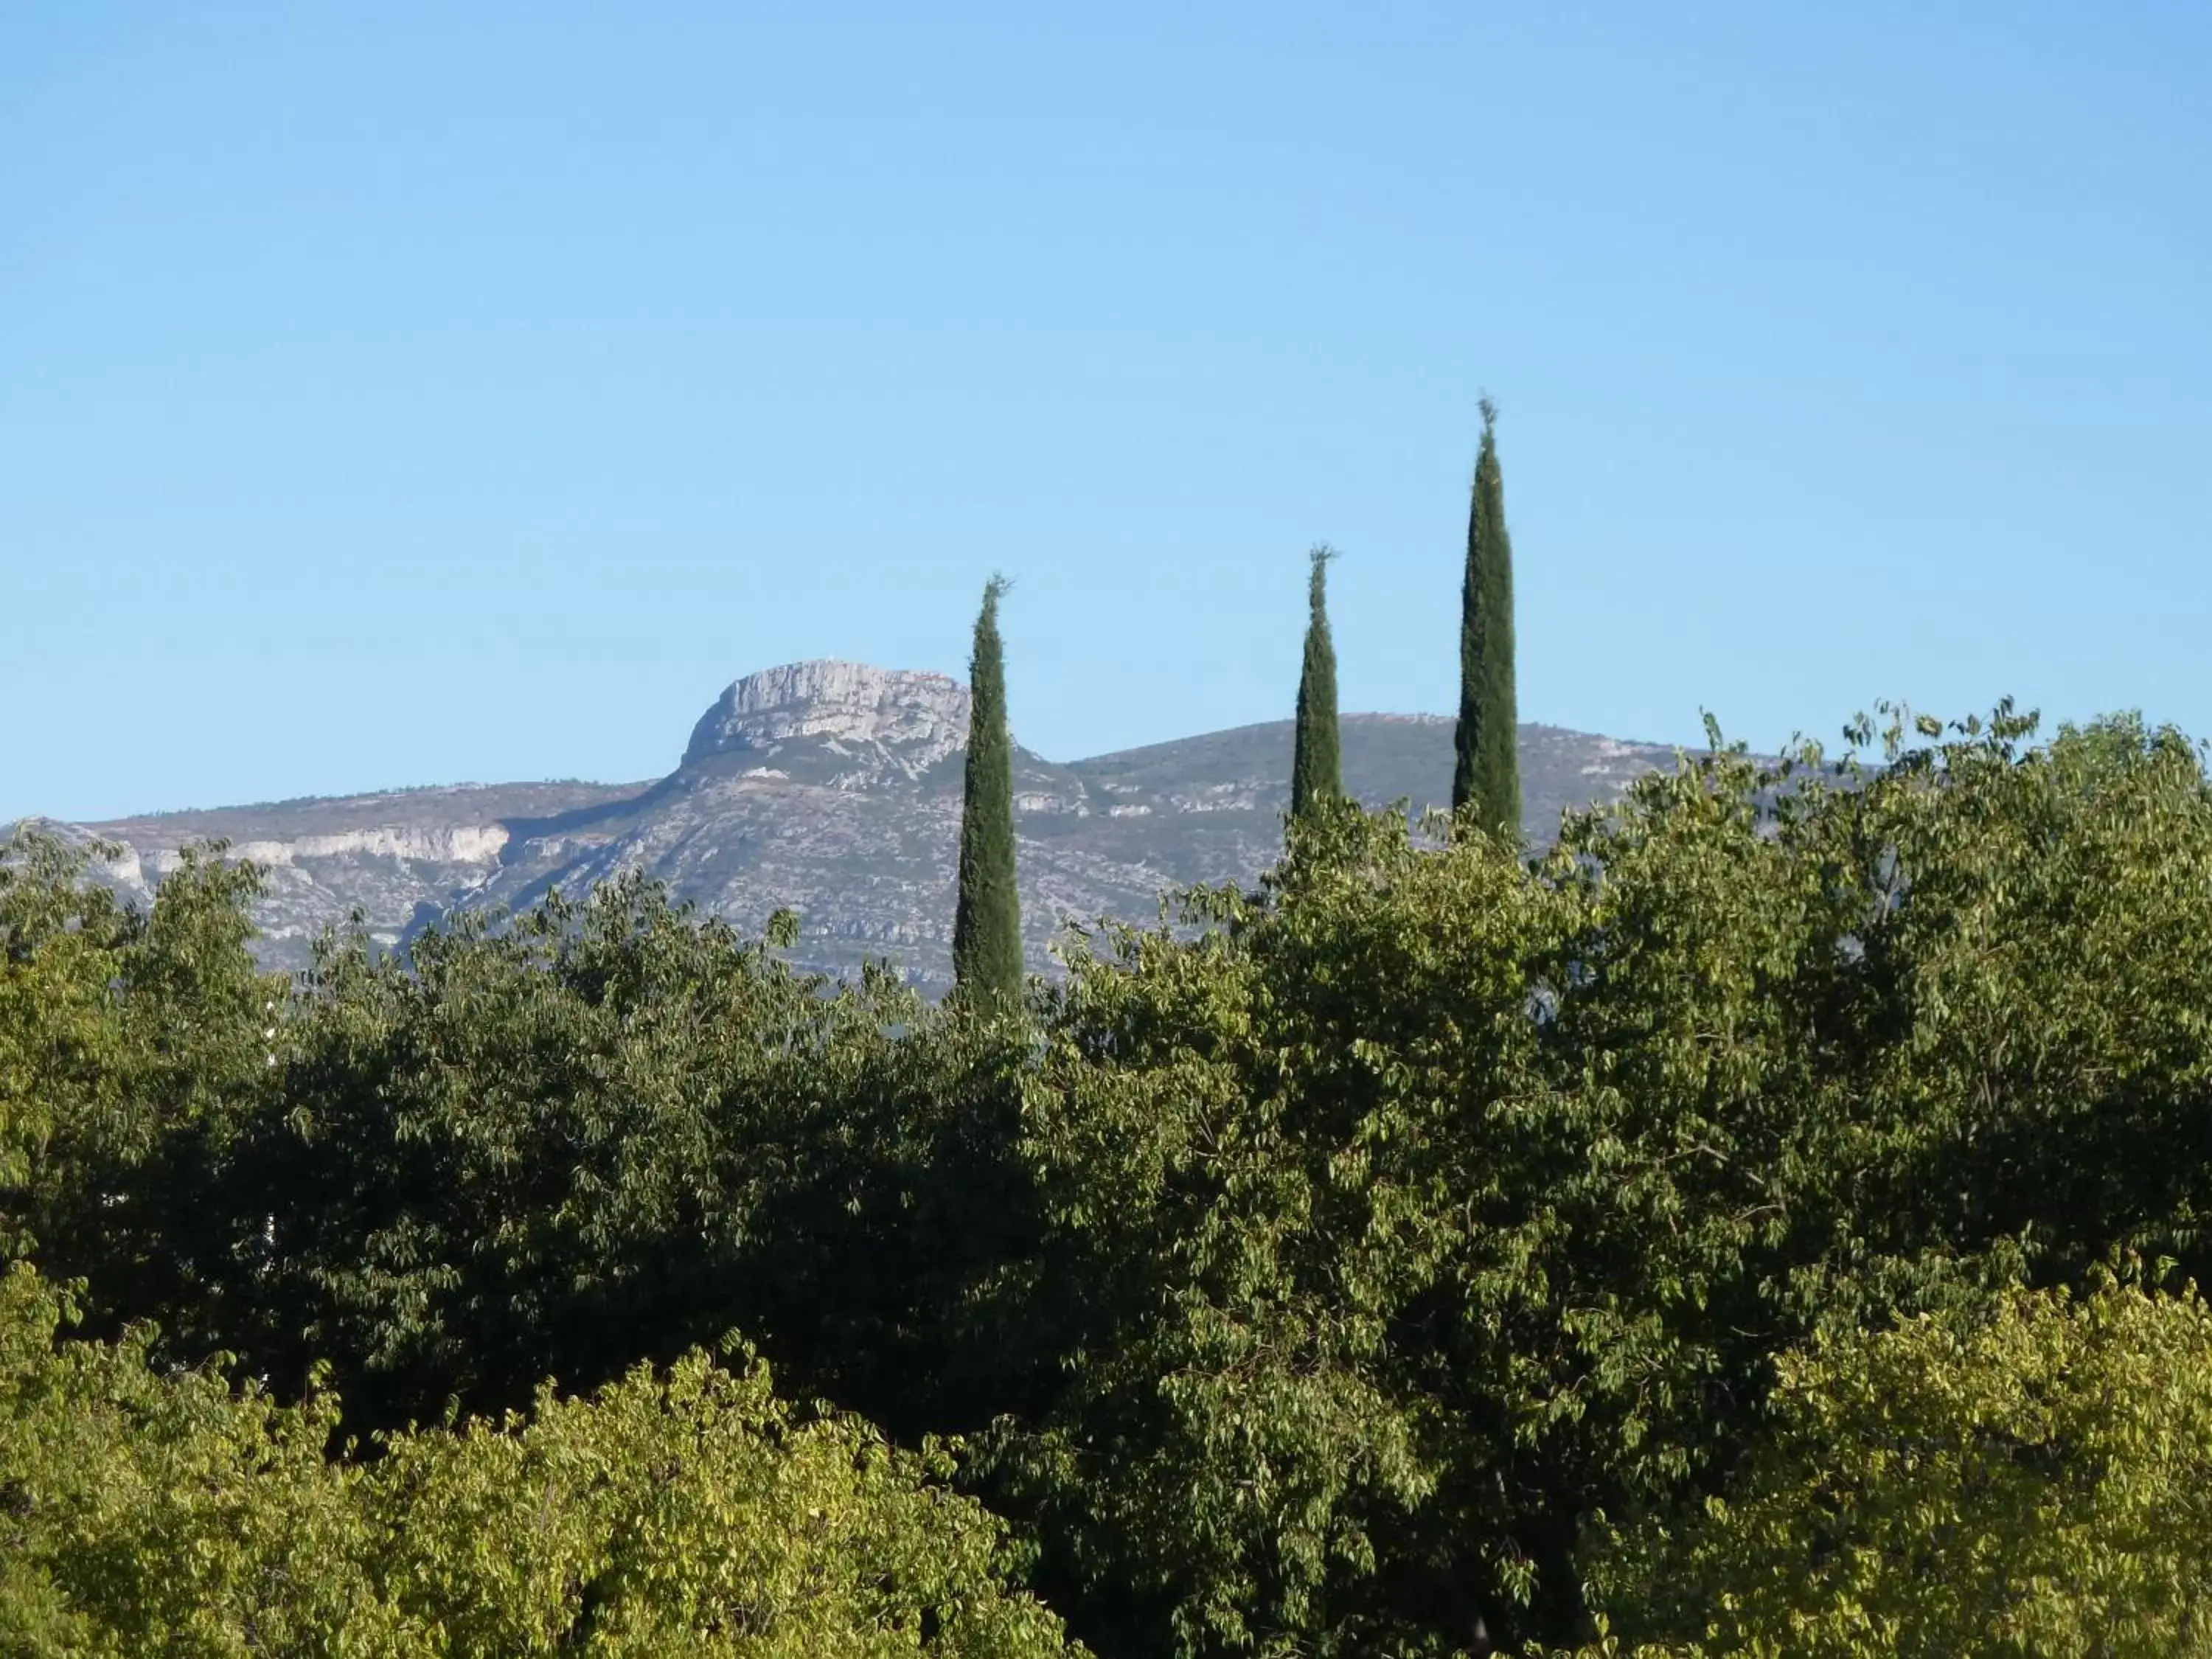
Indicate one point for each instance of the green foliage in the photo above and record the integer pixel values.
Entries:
(1433, 1204)
(1316, 772)
(1313, 1277)
(2033, 1477)
(1486, 774)
(987, 926)
(671, 1513)
(2037, 994)
(552, 1147)
(131, 1045)
(57, 1048)
(141, 1514)
(607, 1132)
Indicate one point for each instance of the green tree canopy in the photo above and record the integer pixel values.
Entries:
(1430, 1205)
(2032, 1477)
(672, 1512)
(1334, 1269)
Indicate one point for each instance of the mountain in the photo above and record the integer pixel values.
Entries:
(834, 788)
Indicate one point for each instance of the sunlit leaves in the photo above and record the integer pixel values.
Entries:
(688, 1511)
(2034, 1478)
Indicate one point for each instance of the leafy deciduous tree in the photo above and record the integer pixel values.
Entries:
(672, 1512)
(2033, 1477)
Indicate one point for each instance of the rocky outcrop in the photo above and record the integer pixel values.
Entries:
(866, 724)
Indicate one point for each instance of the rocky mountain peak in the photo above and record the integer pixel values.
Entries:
(880, 718)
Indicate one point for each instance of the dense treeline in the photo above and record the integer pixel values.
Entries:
(1765, 1223)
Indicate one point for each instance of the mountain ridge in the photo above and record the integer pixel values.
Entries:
(833, 789)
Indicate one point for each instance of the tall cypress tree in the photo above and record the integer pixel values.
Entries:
(1315, 771)
(986, 925)
(1487, 772)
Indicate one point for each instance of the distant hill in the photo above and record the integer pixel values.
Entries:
(834, 788)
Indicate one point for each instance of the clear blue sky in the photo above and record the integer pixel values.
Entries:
(419, 392)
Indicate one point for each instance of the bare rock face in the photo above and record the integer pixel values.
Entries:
(861, 724)
(834, 788)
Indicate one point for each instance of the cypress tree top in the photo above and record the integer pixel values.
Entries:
(986, 923)
(1487, 773)
(1315, 770)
